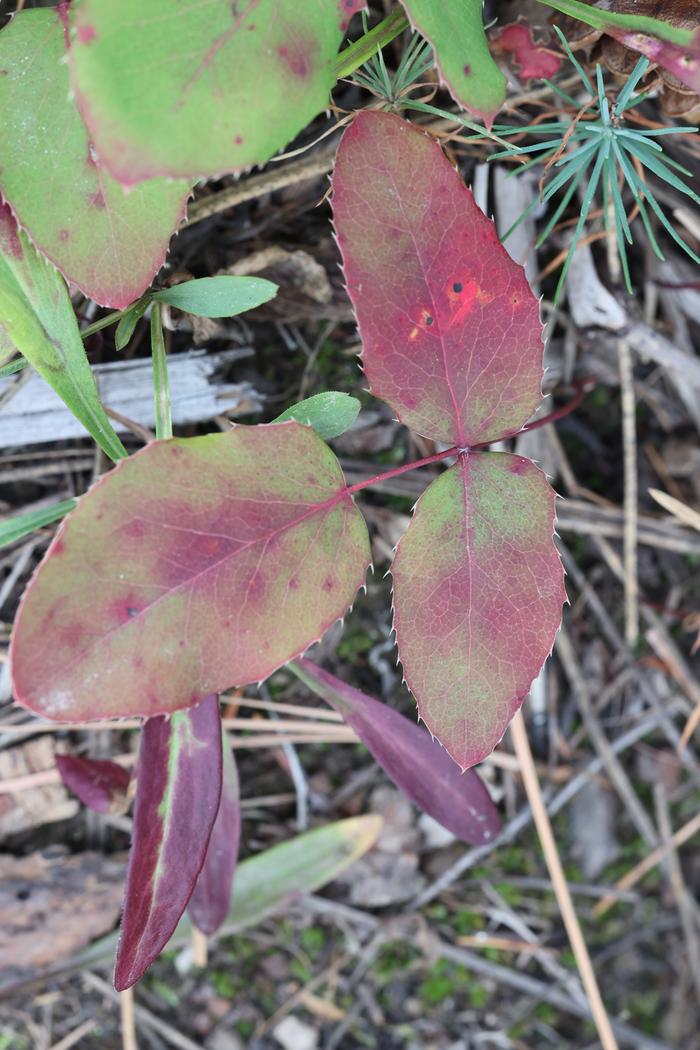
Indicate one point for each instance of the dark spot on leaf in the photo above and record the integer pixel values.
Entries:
(428, 319)
(97, 200)
(457, 286)
(238, 141)
(250, 28)
(467, 70)
(135, 528)
(328, 583)
(176, 450)
(293, 584)
(63, 235)
(518, 467)
(4, 72)
(131, 611)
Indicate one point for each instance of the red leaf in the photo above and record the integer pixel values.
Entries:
(100, 785)
(195, 565)
(415, 762)
(450, 329)
(478, 590)
(177, 798)
(211, 898)
(683, 62)
(534, 60)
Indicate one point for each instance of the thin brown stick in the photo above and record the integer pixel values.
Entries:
(559, 883)
(679, 889)
(200, 948)
(635, 874)
(75, 1036)
(126, 1008)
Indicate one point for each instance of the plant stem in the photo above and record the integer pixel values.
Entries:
(402, 470)
(161, 386)
(104, 322)
(581, 386)
(363, 49)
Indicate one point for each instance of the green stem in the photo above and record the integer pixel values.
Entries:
(104, 322)
(161, 385)
(632, 23)
(363, 49)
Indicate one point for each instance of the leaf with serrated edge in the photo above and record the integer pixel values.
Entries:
(408, 755)
(455, 28)
(197, 564)
(99, 784)
(478, 591)
(108, 242)
(177, 799)
(450, 330)
(209, 903)
(37, 317)
(203, 88)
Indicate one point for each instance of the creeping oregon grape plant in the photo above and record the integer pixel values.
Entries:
(204, 563)
(221, 558)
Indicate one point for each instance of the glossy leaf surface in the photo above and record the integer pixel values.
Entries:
(108, 242)
(450, 329)
(197, 564)
(455, 28)
(210, 899)
(177, 799)
(37, 318)
(99, 784)
(218, 296)
(478, 590)
(330, 413)
(408, 755)
(188, 88)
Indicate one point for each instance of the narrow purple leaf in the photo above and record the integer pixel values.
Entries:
(100, 785)
(411, 758)
(211, 898)
(177, 798)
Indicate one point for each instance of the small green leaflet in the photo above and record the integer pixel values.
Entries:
(13, 529)
(218, 296)
(330, 413)
(37, 317)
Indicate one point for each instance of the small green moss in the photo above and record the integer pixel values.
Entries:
(313, 938)
(225, 987)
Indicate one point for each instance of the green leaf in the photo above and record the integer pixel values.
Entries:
(269, 881)
(108, 242)
(128, 322)
(604, 20)
(38, 319)
(330, 413)
(14, 366)
(455, 28)
(218, 296)
(196, 89)
(13, 529)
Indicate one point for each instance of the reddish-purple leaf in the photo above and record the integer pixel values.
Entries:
(450, 329)
(478, 591)
(99, 784)
(195, 565)
(177, 798)
(682, 62)
(415, 762)
(533, 60)
(211, 898)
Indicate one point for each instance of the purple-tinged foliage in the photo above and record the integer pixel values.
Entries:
(177, 799)
(99, 784)
(407, 754)
(210, 900)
